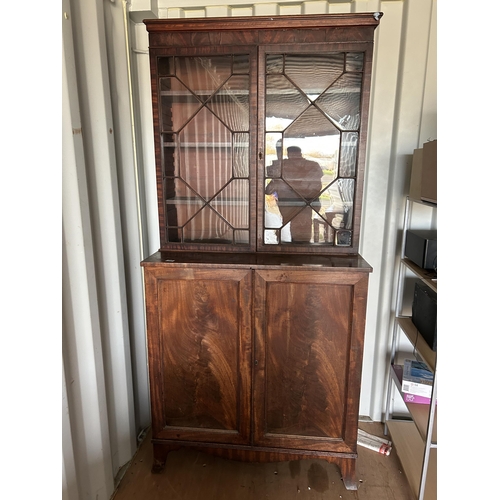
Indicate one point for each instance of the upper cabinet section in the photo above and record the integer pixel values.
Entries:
(260, 131)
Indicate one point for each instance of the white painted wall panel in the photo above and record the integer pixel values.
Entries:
(129, 196)
(110, 204)
(374, 246)
(84, 402)
(96, 348)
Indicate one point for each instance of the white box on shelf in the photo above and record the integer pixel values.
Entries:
(417, 378)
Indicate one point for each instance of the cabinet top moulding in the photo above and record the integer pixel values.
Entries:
(322, 263)
(264, 22)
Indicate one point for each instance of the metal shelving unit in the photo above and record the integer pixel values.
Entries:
(415, 438)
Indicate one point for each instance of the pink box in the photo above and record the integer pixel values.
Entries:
(408, 397)
(413, 398)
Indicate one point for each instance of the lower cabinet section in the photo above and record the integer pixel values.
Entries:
(256, 361)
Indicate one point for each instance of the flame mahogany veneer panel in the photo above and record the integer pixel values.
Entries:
(199, 347)
(309, 332)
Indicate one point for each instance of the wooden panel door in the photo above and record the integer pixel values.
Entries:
(308, 355)
(199, 341)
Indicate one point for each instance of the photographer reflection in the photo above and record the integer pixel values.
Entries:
(300, 182)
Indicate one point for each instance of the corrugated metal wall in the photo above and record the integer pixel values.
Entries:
(109, 206)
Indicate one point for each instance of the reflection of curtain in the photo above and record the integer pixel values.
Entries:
(232, 109)
(348, 154)
(215, 159)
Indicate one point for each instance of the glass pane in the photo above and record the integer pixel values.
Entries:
(284, 102)
(241, 237)
(273, 219)
(241, 151)
(346, 189)
(166, 66)
(205, 119)
(274, 155)
(275, 63)
(170, 155)
(335, 212)
(241, 64)
(203, 75)
(348, 154)
(311, 147)
(341, 102)
(178, 104)
(232, 203)
(207, 226)
(230, 103)
(296, 192)
(313, 131)
(205, 154)
(354, 61)
(313, 75)
(182, 201)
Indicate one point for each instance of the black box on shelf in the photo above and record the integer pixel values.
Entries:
(424, 313)
(421, 248)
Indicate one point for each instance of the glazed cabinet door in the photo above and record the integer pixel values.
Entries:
(308, 356)
(199, 342)
(313, 104)
(204, 111)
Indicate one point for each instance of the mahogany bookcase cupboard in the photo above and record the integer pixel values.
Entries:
(256, 298)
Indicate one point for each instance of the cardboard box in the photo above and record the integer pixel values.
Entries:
(429, 172)
(416, 174)
(409, 397)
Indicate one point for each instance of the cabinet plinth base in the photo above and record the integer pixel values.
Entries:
(346, 462)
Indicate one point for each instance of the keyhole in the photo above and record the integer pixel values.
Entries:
(260, 155)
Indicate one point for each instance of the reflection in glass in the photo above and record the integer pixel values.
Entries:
(166, 66)
(312, 113)
(341, 102)
(209, 227)
(178, 104)
(184, 199)
(348, 154)
(204, 116)
(235, 194)
(241, 237)
(354, 61)
(275, 63)
(296, 192)
(241, 143)
(346, 190)
(283, 100)
(310, 125)
(203, 75)
(170, 155)
(230, 103)
(205, 154)
(314, 74)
